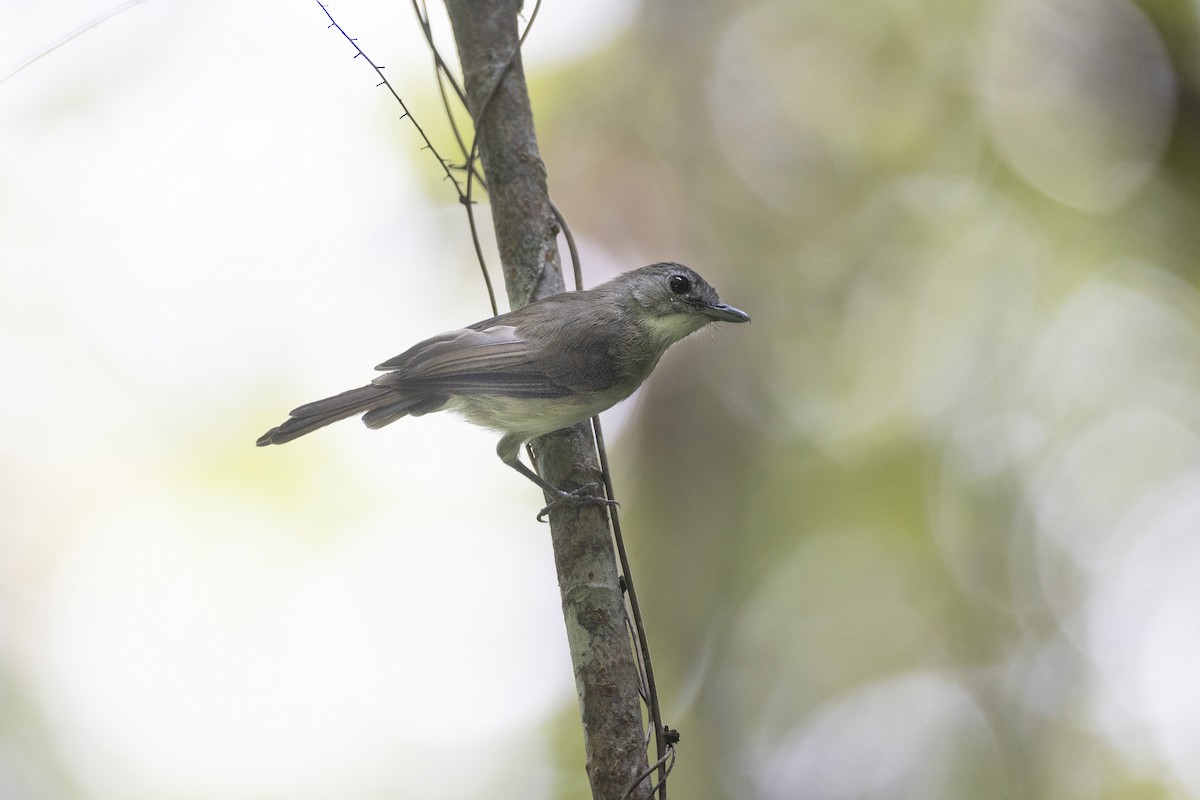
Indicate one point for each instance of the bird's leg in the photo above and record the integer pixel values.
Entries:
(583, 496)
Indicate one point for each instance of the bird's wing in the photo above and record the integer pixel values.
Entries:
(471, 361)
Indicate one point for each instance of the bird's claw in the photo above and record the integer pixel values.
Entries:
(583, 496)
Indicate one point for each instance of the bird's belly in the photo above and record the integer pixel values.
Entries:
(530, 417)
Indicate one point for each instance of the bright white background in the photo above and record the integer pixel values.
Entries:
(208, 215)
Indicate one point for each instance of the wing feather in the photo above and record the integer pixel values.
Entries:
(471, 361)
(465, 350)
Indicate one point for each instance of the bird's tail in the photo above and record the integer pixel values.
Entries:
(310, 416)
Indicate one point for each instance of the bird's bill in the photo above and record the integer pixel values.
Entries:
(725, 313)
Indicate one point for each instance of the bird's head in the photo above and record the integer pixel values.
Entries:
(671, 301)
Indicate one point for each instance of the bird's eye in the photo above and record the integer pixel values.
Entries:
(679, 284)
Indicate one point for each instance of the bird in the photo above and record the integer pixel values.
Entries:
(551, 364)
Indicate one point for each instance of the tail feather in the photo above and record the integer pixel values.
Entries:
(310, 416)
(384, 414)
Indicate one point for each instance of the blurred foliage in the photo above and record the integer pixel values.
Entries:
(927, 528)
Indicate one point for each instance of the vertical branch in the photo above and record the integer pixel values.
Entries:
(606, 677)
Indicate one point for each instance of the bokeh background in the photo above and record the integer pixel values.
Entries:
(928, 528)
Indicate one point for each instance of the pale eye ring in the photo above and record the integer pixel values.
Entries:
(680, 284)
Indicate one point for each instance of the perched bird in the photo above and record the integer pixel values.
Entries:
(549, 365)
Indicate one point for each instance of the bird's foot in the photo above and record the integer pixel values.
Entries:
(583, 496)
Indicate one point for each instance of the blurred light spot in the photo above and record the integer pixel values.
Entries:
(1042, 675)
(919, 735)
(805, 95)
(1080, 97)
(976, 303)
(1128, 336)
(1114, 379)
(984, 445)
(1093, 483)
(1112, 382)
(813, 629)
(1143, 635)
(939, 302)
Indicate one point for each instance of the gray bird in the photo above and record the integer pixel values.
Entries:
(549, 365)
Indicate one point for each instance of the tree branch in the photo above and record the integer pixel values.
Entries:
(606, 677)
